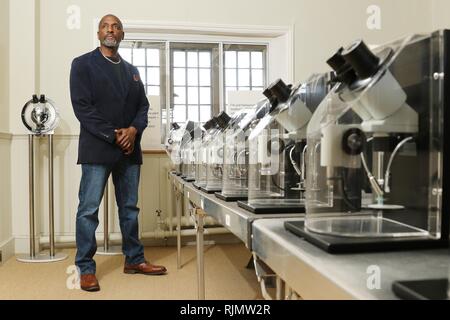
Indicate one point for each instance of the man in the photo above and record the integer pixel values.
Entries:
(109, 100)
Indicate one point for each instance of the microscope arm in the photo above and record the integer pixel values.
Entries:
(391, 159)
(294, 164)
(373, 182)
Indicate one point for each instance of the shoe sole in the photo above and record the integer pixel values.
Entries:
(91, 289)
(146, 273)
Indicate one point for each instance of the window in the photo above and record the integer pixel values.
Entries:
(149, 59)
(244, 68)
(194, 70)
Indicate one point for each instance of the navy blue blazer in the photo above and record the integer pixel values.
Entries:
(103, 105)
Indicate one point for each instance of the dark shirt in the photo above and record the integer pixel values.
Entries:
(118, 70)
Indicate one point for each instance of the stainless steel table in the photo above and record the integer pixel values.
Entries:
(316, 274)
(237, 220)
(229, 214)
(178, 188)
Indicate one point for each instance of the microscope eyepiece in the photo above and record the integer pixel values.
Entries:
(344, 71)
(361, 59)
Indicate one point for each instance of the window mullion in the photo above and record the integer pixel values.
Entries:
(145, 71)
(222, 90)
(169, 98)
(198, 84)
(250, 69)
(187, 83)
(237, 70)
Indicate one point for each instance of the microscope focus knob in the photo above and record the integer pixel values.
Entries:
(353, 141)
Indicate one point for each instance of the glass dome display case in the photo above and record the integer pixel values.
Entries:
(210, 127)
(214, 155)
(236, 155)
(277, 147)
(187, 128)
(188, 153)
(375, 175)
(172, 146)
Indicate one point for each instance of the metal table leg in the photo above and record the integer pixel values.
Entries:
(280, 289)
(199, 215)
(178, 210)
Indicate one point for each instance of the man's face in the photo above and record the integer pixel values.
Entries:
(110, 32)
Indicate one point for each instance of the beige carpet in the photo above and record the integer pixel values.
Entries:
(225, 277)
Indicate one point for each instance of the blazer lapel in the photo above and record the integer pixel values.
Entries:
(128, 78)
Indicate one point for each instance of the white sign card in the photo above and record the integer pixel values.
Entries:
(242, 100)
(151, 138)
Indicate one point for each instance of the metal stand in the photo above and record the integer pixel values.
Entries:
(42, 257)
(199, 215)
(107, 250)
(180, 206)
(179, 197)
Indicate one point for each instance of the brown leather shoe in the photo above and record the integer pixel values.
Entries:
(144, 268)
(88, 282)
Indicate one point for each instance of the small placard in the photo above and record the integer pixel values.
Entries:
(151, 138)
(242, 100)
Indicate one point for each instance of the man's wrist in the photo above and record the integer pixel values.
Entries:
(133, 128)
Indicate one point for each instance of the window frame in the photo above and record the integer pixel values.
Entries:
(215, 92)
(245, 48)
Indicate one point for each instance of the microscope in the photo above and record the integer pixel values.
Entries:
(277, 148)
(236, 154)
(210, 128)
(185, 148)
(376, 149)
(214, 155)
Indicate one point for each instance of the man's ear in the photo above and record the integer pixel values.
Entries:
(98, 35)
(123, 35)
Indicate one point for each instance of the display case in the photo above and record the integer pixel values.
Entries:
(210, 128)
(375, 175)
(214, 155)
(277, 147)
(188, 150)
(236, 155)
(172, 146)
(185, 148)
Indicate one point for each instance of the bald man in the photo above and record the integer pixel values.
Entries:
(109, 100)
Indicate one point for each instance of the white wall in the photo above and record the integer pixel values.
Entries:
(440, 14)
(4, 65)
(6, 240)
(320, 26)
(42, 48)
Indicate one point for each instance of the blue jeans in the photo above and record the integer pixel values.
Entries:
(92, 185)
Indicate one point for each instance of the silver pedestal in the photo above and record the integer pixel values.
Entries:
(41, 258)
(32, 257)
(110, 251)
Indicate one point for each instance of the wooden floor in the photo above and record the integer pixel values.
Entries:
(226, 277)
